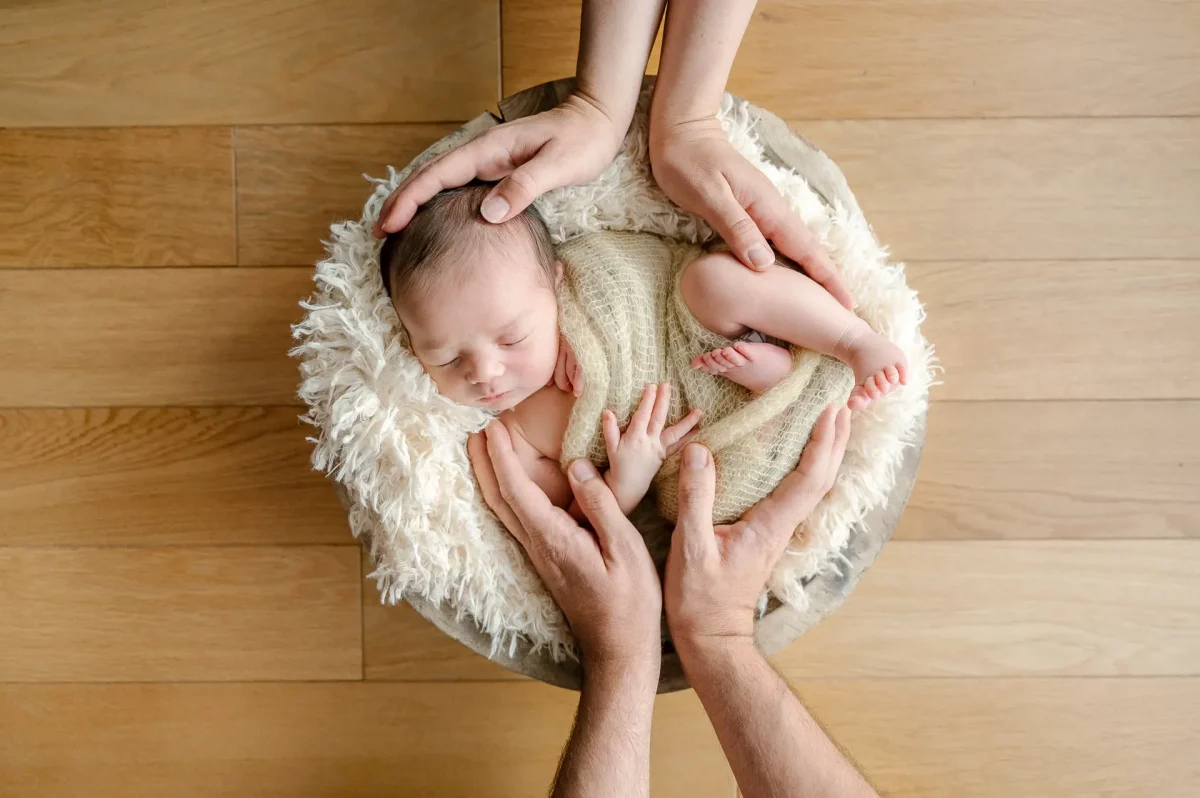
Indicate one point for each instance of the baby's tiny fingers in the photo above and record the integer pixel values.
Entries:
(641, 416)
(612, 433)
(662, 406)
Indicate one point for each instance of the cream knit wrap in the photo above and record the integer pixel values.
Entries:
(621, 310)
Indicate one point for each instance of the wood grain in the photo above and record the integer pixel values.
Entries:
(143, 62)
(1013, 608)
(180, 614)
(162, 476)
(138, 337)
(294, 181)
(1064, 330)
(1023, 189)
(127, 197)
(321, 740)
(1081, 470)
(399, 645)
(996, 738)
(941, 58)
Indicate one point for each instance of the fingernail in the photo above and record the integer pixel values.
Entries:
(695, 456)
(583, 470)
(494, 209)
(760, 255)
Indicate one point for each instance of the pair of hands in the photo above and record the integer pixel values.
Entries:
(604, 579)
(692, 162)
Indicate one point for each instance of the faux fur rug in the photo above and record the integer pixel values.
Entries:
(399, 448)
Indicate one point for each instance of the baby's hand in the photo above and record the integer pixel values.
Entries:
(635, 456)
(567, 374)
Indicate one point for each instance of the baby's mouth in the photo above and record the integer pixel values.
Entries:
(488, 400)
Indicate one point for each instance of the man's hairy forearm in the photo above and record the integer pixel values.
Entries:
(614, 44)
(700, 41)
(609, 750)
(773, 744)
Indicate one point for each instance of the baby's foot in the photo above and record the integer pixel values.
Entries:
(753, 365)
(879, 366)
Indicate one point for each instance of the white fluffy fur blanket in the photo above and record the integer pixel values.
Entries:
(398, 446)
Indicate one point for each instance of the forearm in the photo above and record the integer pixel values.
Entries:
(773, 744)
(700, 41)
(609, 750)
(615, 38)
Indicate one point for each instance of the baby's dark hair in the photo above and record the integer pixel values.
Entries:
(409, 259)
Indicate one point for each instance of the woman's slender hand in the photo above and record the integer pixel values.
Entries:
(570, 144)
(696, 166)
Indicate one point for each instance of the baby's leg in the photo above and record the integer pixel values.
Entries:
(728, 299)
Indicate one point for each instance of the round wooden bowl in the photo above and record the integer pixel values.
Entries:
(780, 625)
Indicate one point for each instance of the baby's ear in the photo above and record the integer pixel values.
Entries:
(558, 273)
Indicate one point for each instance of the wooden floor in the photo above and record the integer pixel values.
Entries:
(182, 610)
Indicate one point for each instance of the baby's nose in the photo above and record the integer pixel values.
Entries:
(484, 370)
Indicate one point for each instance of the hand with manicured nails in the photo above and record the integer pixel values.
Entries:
(716, 574)
(564, 146)
(696, 166)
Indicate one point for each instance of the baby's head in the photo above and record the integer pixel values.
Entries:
(477, 299)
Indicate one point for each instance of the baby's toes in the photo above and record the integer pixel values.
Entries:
(858, 398)
(893, 376)
(726, 358)
(744, 349)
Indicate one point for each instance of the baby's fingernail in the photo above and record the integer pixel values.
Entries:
(582, 470)
(494, 209)
(760, 255)
(695, 456)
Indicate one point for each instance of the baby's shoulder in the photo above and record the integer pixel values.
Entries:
(542, 420)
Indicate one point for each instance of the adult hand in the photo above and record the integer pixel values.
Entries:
(696, 166)
(604, 581)
(564, 146)
(716, 575)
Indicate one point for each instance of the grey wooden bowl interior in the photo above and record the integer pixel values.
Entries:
(779, 625)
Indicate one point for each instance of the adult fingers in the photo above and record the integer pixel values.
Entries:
(485, 474)
(530, 504)
(774, 219)
(479, 157)
(613, 530)
(740, 232)
(777, 516)
(547, 169)
(697, 489)
(841, 438)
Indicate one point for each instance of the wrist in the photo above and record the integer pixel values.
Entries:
(639, 672)
(699, 652)
(616, 114)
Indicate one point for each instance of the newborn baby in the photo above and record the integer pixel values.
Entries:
(479, 304)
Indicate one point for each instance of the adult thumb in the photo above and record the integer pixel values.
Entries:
(697, 487)
(740, 232)
(517, 192)
(599, 505)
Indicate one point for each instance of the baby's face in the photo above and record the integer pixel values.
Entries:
(487, 335)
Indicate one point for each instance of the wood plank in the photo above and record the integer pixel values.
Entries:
(1013, 608)
(939, 58)
(293, 182)
(540, 43)
(128, 197)
(143, 62)
(1003, 737)
(1023, 189)
(180, 614)
(287, 740)
(401, 646)
(162, 476)
(1107, 329)
(134, 337)
(1057, 470)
